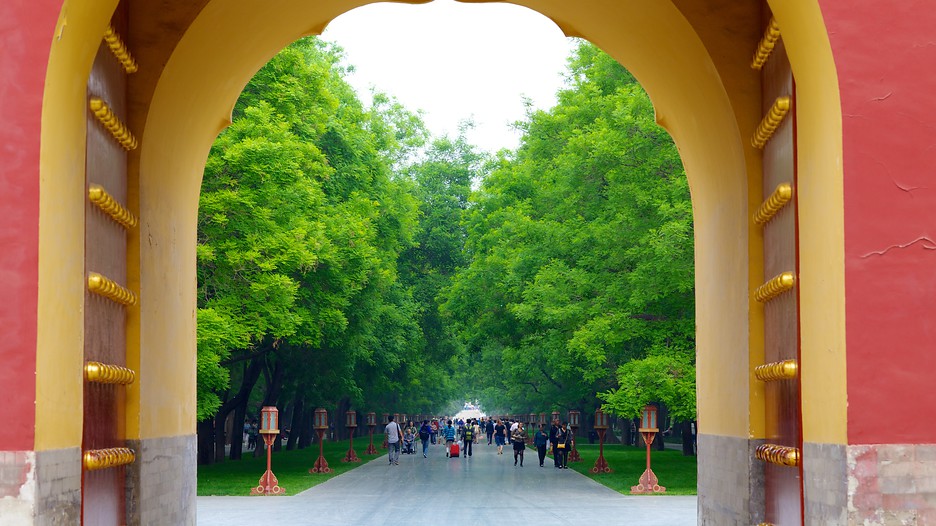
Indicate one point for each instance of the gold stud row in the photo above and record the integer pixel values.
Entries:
(775, 287)
(109, 288)
(771, 372)
(781, 195)
(766, 45)
(779, 455)
(95, 459)
(119, 49)
(110, 121)
(103, 200)
(104, 373)
(771, 122)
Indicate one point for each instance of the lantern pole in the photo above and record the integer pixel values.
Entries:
(269, 428)
(648, 482)
(351, 424)
(321, 426)
(574, 424)
(601, 425)
(371, 424)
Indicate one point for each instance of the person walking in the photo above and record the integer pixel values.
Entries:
(394, 438)
(519, 443)
(449, 438)
(468, 437)
(564, 441)
(553, 430)
(500, 436)
(489, 429)
(539, 440)
(425, 431)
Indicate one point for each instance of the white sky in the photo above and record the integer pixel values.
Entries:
(456, 61)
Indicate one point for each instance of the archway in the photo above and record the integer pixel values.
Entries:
(195, 59)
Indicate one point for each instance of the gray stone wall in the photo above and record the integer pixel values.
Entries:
(59, 487)
(892, 484)
(825, 484)
(161, 484)
(17, 487)
(731, 482)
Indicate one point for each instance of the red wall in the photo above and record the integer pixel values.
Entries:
(26, 28)
(886, 60)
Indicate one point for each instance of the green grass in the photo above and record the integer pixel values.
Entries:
(237, 477)
(677, 473)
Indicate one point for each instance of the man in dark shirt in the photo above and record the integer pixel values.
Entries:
(489, 429)
(553, 430)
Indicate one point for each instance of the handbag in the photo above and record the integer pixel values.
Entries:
(561, 445)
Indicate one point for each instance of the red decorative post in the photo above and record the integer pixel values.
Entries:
(269, 428)
(321, 426)
(542, 418)
(555, 417)
(648, 428)
(601, 425)
(371, 424)
(532, 426)
(574, 424)
(386, 418)
(351, 424)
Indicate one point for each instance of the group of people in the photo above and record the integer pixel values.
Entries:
(500, 432)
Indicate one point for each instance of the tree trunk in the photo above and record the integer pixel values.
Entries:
(251, 374)
(206, 441)
(305, 431)
(295, 421)
(688, 444)
(237, 441)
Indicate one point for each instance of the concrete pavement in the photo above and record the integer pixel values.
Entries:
(481, 489)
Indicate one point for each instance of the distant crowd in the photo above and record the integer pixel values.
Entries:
(459, 437)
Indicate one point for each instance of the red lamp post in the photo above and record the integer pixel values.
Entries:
(371, 424)
(320, 423)
(648, 482)
(386, 418)
(601, 426)
(269, 428)
(532, 424)
(574, 424)
(351, 424)
(555, 416)
(542, 418)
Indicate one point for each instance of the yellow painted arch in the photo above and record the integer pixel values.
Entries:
(703, 96)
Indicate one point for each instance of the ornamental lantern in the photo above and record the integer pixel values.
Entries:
(269, 420)
(542, 418)
(320, 422)
(601, 426)
(396, 417)
(601, 419)
(269, 428)
(403, 417)
(351, 424)
(555, 416)
(371, 424)
(532, 419)
(648, 483)
(574, 418)
(648, 422)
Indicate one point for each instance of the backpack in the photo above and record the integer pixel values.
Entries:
(424, 432)
(469, 433)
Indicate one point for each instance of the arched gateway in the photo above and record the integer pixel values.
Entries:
(857, 238)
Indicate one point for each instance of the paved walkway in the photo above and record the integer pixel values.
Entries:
(482, 489)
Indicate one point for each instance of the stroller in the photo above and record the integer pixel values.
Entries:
(408, 439)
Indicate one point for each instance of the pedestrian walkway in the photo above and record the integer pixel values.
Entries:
(483, 489)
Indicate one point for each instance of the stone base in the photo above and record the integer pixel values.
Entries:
(161, 484)
(825, 484)
(41, 487)
(731, 481)
(892, 484)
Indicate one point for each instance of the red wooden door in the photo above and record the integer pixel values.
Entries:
(779, 295)
(103, 488)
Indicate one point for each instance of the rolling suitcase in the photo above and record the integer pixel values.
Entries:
(453, 452)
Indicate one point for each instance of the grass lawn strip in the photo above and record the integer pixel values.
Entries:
(677, 473)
